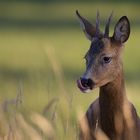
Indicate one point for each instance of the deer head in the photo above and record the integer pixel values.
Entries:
(103, 59)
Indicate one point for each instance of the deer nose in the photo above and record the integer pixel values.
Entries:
(87, 83)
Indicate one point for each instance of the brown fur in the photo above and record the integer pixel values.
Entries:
(111, 116)
(108, 109)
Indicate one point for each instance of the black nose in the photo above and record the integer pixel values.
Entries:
(87, 83)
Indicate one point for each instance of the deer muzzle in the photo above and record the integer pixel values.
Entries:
(85, 84)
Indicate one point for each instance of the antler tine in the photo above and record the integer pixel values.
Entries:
(97, 24)
(106, 34)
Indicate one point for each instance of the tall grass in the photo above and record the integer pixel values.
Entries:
(55, 122)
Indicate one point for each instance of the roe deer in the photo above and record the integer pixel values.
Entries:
(111, 116)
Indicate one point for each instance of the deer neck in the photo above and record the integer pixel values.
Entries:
(111, 98)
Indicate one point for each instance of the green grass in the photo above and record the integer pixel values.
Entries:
(42, 63)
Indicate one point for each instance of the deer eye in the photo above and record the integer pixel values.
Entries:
(106, 59)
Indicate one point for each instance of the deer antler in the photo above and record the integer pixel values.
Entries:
(97, 24)
(106, 34)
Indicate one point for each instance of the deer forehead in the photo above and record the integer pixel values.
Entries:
(101, 46)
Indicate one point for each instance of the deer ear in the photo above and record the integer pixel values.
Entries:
(87, 27)
(122, 30)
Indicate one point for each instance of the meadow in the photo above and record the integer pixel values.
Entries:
(41, 56)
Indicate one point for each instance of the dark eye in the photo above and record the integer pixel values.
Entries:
(106, 59)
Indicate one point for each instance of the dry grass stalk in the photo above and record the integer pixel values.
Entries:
(43, 124)
(56, 67)
(28, 129)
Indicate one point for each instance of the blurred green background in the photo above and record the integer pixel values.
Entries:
(41, 56)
